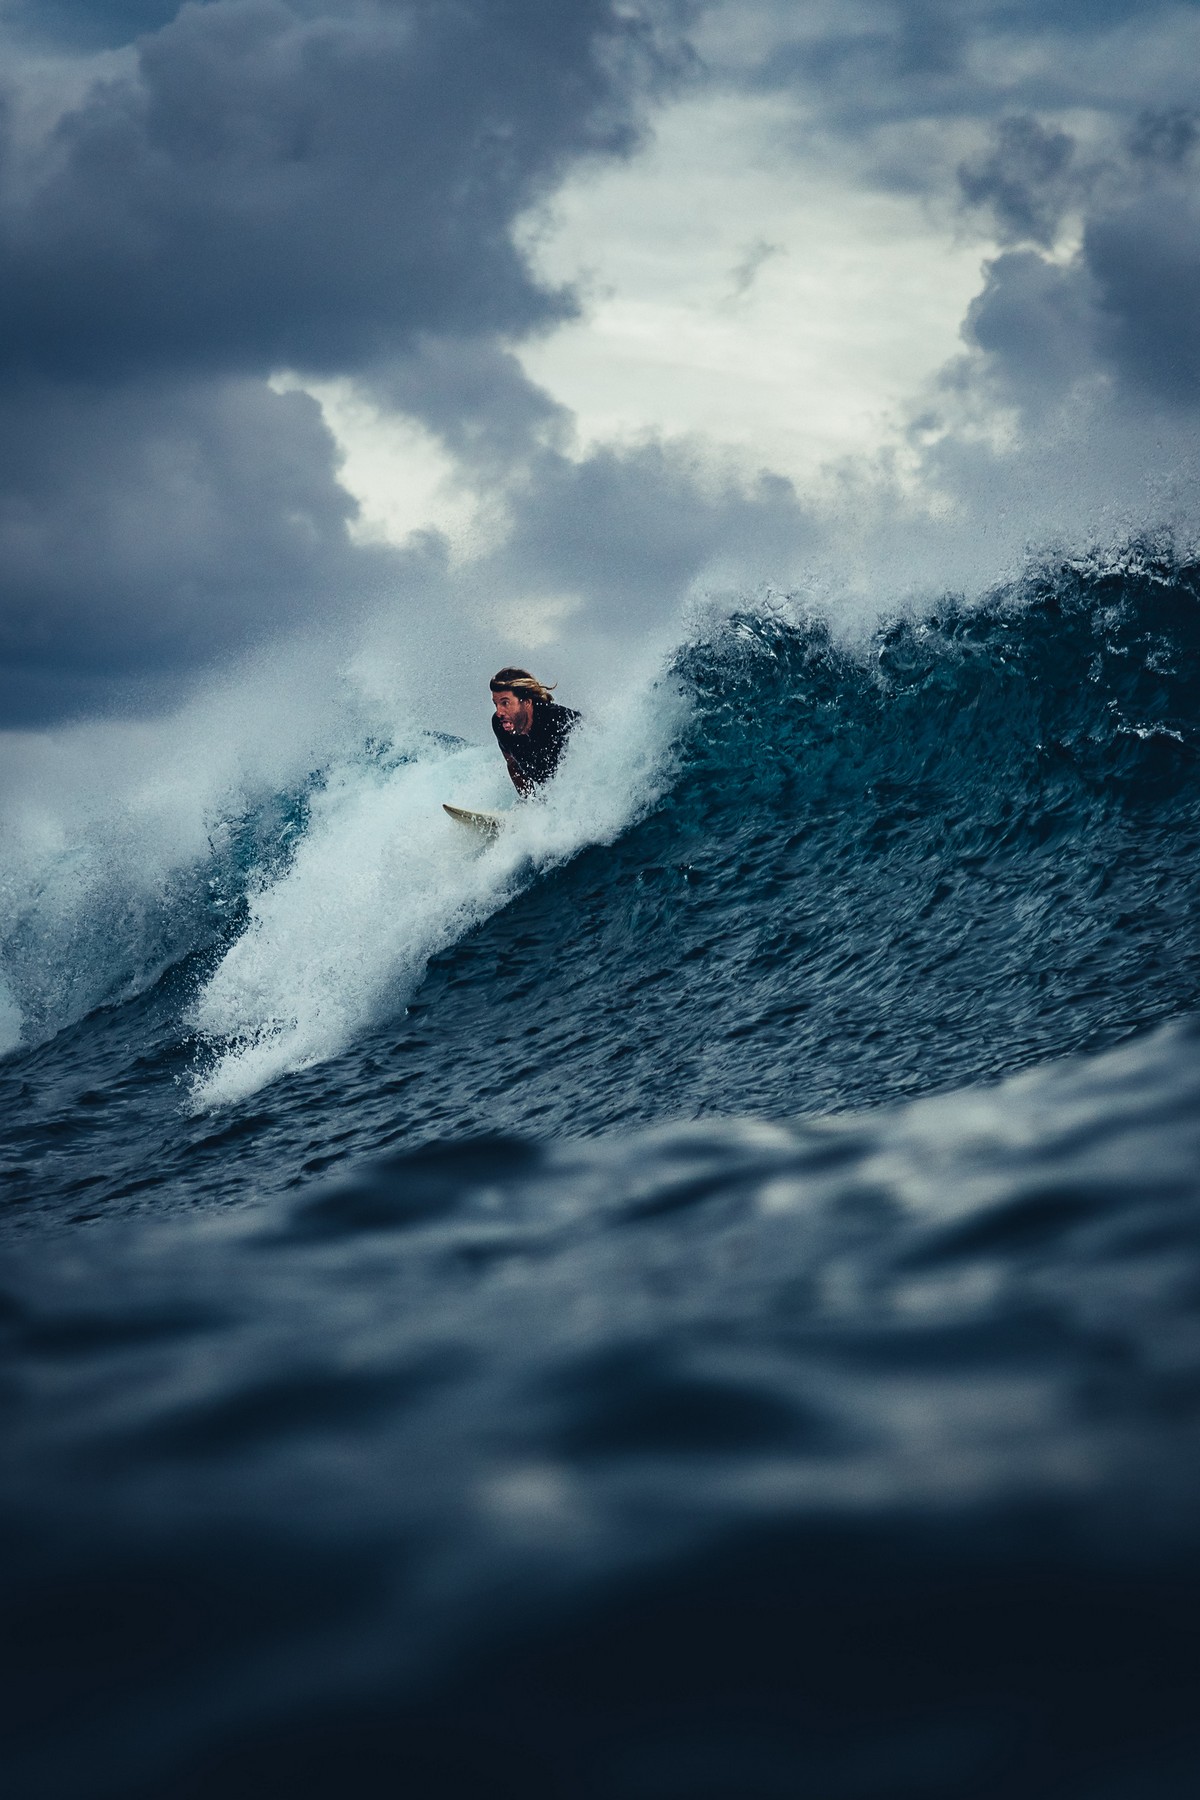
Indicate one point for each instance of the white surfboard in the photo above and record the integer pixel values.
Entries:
(488, 823)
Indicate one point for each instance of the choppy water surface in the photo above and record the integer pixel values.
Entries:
(685, 1406)
(795, 878)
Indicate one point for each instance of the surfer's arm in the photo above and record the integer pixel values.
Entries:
(519, 778)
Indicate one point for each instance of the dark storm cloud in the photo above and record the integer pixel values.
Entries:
(325, 185)
(1074, 415)
(291, 185)
(88, 24)
(478, 399)
(620, 534)
(1123, 307)
(1023, 178)
(883, 75)
(330, 186)
(1035, 320)
(1145, 262)
(1084, 337)
(635, 528)
(1167, 138)
(151, 528)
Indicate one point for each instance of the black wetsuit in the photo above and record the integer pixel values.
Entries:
(536, 753)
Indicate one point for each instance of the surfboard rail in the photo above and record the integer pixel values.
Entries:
(487, 823)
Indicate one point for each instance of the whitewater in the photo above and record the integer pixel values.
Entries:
(692, 1299)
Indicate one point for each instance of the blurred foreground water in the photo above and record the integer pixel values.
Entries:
(854, 1458)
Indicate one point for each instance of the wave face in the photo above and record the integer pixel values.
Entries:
(798, 875)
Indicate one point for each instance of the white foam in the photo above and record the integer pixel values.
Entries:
(105, 832)
(383, 880)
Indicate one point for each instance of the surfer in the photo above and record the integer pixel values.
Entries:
(531, 728)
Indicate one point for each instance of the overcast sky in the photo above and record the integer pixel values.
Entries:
(461, 331)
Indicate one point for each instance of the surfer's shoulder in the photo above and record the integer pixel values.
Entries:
(562, 715)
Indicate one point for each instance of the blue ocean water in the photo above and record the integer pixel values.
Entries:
(697, 1298)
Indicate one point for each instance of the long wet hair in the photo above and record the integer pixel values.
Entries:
(521, 683)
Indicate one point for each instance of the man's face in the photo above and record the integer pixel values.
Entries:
(513, 713)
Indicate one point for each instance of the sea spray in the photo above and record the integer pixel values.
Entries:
(126, 847)
(383, 880)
